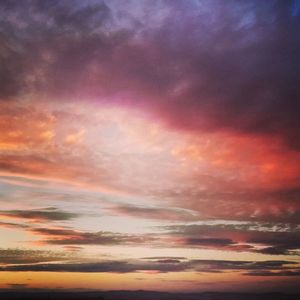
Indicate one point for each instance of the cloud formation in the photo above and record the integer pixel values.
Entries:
(249, 86)
(284, 268)
(38, 215)
(154, 212)
(166, 126)
(12, 256)
(252, 238)
(62, 236)
(256, 237)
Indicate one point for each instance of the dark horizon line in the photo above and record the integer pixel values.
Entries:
(100, 291)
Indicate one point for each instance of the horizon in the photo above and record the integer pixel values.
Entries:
(150, 145)
(127, 294)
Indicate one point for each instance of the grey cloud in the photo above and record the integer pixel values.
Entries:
(235, 203)
(210, 266)
(46, 214)
(275, 239)
(61, 236)
(101, 267)
(26, 256)
(164, 257)
(155, 212)
(218, 242)
(257, 238)
(33, 36)
(13, 225)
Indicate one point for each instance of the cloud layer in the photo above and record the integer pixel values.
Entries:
(230, 65)
(167, 128)
(261, 268)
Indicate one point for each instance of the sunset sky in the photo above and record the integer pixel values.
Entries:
(150, 144)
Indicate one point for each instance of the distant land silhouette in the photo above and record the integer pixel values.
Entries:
(138, 295)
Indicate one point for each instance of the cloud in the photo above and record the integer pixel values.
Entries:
(234, 200)
(24, 256)
(13, 225)
(263, 238)
(62, 236)
(216, 84)
(263, 174)
(222, 65)
(208, 242)
(154, 212)
(269, 238)
(38, 215)
(101, 267)
(35, 147)
(73, 248)
(276, 250)
(27, 52)
(226, 265)
(165, 258)
(160, 266)
(277, 273)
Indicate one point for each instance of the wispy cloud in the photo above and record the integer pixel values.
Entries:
(154, 212)
(62, 236)
(284, 268)
(250, 237)
(12, 256)
(38, 215)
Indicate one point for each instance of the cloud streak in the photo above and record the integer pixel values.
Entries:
(262, 268)
(12, 256)
(259, 238)
(38, 215)
(61, 236)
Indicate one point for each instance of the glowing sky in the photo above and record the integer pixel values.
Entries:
(150, 145)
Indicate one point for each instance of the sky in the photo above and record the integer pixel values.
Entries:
(150, 145)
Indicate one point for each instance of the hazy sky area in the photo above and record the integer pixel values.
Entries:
(150, 144)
